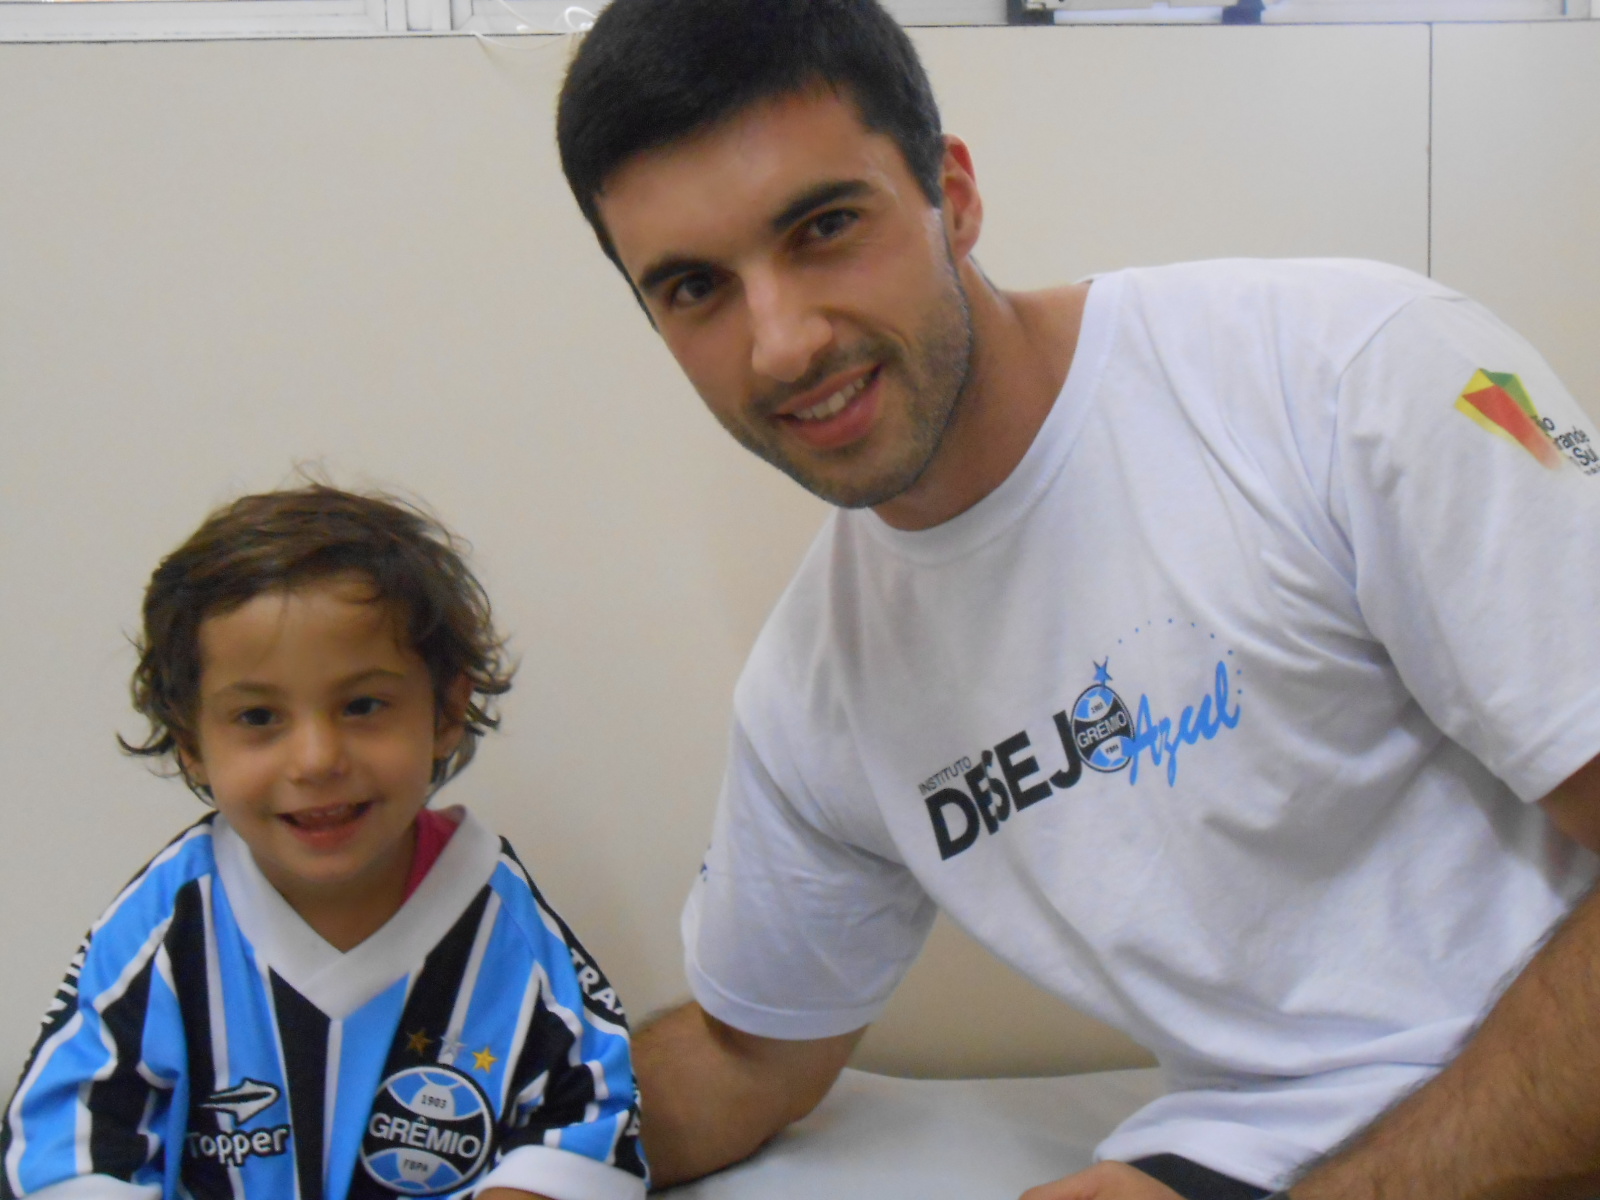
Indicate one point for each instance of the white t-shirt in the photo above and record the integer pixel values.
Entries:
(1218, 718)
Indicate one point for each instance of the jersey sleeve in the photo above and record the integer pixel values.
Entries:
(791, 930)
(569, 1128)
(89, 1115)
(1467, 481)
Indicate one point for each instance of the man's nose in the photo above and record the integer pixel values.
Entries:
(787, 330)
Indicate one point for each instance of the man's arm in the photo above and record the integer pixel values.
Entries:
(1574, 807)
(1517, 1113)
(712, 1095)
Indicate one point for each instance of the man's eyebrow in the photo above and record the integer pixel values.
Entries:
(814, 198)
(806, 202)
(666, 269)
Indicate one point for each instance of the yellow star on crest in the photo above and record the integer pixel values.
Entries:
(419, 1042)
(483, 1061)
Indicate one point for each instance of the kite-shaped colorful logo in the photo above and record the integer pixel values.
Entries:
(1501, 405)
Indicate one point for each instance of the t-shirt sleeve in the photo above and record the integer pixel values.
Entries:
(88, 1113)
(569, 1128)
(791, 930)
(1467, 481)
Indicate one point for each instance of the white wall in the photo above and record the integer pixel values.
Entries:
(220, 259)
(1516, 211)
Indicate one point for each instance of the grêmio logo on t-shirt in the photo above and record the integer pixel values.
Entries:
(1098, 731)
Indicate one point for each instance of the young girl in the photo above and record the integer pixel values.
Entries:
(325, 989)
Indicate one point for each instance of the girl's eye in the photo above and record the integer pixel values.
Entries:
(363, 706)
(256, 718)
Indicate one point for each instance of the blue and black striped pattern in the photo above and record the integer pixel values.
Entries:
(177, 1059)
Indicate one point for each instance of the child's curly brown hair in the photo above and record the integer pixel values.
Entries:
(277, 541)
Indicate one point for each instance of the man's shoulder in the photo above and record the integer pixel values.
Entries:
(1352, 276)
(802, 677)
(1291, 293)
(1308, 314)
(804, 623)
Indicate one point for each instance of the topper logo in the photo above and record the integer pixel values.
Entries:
(243, 1100)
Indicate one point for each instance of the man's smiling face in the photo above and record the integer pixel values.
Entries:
(807, 287)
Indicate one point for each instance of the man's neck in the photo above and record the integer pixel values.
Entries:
(1022, 348)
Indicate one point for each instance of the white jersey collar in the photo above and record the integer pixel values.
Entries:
(339, 983)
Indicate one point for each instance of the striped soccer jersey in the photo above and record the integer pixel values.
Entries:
(208, 1044)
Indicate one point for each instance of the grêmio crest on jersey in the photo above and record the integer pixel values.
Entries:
(431, 1131)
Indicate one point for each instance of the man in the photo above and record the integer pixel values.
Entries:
(1206, 640)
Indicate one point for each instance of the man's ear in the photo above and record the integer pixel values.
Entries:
(963, 206)
(450, 724)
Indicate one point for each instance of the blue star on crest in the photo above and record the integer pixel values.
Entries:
(1101, 672)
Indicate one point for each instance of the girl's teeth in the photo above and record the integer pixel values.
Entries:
(325, 818)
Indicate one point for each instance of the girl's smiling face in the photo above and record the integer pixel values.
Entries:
(317, 734)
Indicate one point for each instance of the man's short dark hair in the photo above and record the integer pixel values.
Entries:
(279, 541)
(652, 72)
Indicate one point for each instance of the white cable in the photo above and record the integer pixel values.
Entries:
(574, 19)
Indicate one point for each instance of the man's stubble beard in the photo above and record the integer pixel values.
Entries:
(935, 381)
